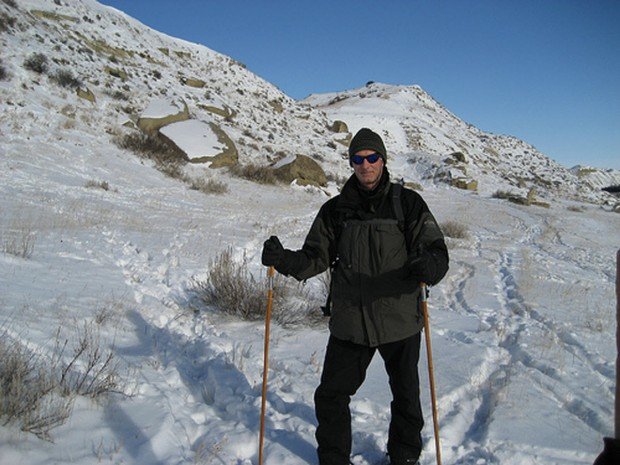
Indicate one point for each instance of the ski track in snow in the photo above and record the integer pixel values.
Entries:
(200, 372)
(203, 360)
(510, 319)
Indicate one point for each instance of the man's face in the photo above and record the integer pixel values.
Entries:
(368, 174)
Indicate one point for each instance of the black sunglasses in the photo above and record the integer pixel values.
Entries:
(372, 158)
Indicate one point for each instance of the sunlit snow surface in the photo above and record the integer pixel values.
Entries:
(523, 325)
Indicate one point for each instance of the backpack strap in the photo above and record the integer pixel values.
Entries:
(397, 205)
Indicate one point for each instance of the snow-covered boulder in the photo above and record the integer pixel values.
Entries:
(202, 142)
(162, 112)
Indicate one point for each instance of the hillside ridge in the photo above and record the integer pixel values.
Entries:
(121, 65)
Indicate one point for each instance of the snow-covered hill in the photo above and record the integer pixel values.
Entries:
(98, 245)
(125, 66)
(446, 147)
(597, 178)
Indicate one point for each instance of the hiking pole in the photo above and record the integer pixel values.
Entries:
(431, 376)
(611, 448)
(270, 274)
(617, 402)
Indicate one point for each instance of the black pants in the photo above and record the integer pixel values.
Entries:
(344, 372)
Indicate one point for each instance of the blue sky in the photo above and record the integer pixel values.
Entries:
(545, 71)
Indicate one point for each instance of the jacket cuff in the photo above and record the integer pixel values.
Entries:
(286, 264)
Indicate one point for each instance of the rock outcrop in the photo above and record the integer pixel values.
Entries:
(302, 169)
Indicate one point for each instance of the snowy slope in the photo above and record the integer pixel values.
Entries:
(98, 44)
(522, 326)
(597, 178)
(422, 130)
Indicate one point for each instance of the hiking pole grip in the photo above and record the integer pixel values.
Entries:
(270, 274)
(431, 375)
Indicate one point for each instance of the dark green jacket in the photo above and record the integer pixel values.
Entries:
(374, 301)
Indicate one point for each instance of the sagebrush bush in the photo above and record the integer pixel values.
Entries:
(167, 159)
(65, 78)
(27, 390)
(97, 185)
(10, 3)
(208, 186)
(455, 230)
(255, 173)
(500, 194)
(6, 22)
(232, 289)
(117, 94)
(18, 240)
(37, 62)
(88, 370)
(37, 392)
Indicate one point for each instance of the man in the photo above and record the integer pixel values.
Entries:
(377, 265)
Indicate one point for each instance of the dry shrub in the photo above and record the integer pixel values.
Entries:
(65, 78)
(208, 186)
(90, 370)
(97, 185)
(500, 194)
(117, 94)
(27, 391)
(4, 75)
(232, 289)
(167, 159)
(255, 173)
(455, 230)
(19, 239)
(37, 391)
(147, 145)
(68, 124)
(6, 22)
(37, 62)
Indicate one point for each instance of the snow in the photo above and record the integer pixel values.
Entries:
(194, 137)
(523, 325)
(524, 373)
(160, 108)
(285, 161)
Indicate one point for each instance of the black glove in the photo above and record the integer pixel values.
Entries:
(272, 251)
(422, 267)
(610, 454)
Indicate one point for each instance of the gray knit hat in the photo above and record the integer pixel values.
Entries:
(365, 139)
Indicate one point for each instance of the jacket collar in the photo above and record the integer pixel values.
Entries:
(354, 198)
